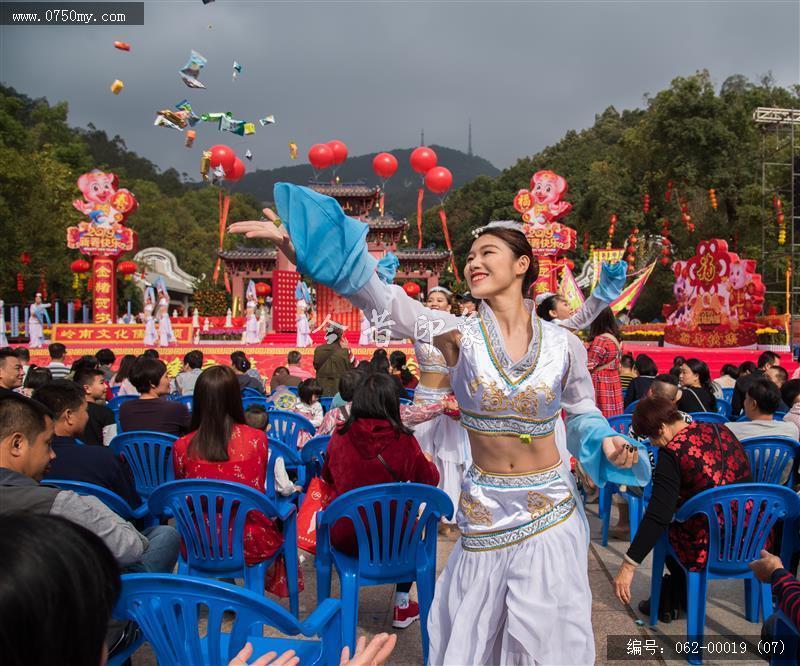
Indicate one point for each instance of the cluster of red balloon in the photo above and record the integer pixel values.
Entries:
(439, 180)
(224, 157)
(324, 155)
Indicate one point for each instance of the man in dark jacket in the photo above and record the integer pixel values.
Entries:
(765, 361)
(332, 359)
(76, 462)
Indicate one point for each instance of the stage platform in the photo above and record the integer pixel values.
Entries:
(272, 352)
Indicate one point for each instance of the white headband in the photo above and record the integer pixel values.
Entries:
(444, 290)
(498, 224)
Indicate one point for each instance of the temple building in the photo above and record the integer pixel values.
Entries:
(385, 234)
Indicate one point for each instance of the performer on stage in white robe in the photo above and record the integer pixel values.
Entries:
(3, 338)
(516, 586)
(250, 335)
(38, 314)
(303, 327)
(165, 335)
(150, 333)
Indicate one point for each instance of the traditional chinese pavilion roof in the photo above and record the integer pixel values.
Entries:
(249, 254)
(345, 189)
(424, 254)
(386, 222)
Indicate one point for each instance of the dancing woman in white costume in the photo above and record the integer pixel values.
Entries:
(516, 587)
(150, 333)
(38, 315)
(250, 335)
(165, 335)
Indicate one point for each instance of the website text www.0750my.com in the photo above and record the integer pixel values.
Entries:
(55, 16)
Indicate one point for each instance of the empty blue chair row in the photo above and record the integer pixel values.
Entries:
(169, 609)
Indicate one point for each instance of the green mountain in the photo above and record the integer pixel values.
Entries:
(401, 189)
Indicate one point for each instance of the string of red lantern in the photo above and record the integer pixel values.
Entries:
(611, 228)
(712, 198)
(646, 203)
(665, 243)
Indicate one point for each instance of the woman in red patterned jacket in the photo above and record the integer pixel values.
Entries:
(692, 457)
(604, 354)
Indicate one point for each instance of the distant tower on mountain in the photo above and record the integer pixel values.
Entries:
(422, 137)
(469, 139)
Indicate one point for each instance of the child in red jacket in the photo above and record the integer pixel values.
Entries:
(371, 447)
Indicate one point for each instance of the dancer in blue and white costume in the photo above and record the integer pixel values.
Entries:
(516, 587)
(165, 335)
(250, 335)
(150, 333)
(38, 315)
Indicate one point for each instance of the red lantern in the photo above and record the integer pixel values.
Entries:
(339, 151)
(384, 165)
(77, 303)
(236, 172)
(222, 156)
(20, 283)
(423, 159)
(665, 261)
(412, 289)
(320, 156)
(80, 266)
(569, 264)
(263, 289)
(25, 258)
(646, 206)
(438, 180)
(126, 269)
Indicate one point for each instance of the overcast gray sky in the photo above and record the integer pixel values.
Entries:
(372, 74)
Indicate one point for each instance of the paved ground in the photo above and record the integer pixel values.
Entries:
(725, 609)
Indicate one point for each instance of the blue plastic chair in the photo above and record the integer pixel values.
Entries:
(630, 408)
(769, 457)
(406, 401)
(313, 455)
(214, 540)
(170, 608)
(724, 408)
(621, 422)
(187, 400)
(708, 417)
(727, 393)
(786, 631)
(256, 400)
(115, 390)
(115, 403)
(106, 496)
(410, 394)
(325, 401)
(291, 462)
(396, 544)
(149, 455)
(731, 546)
(250, 392)
(286, 426)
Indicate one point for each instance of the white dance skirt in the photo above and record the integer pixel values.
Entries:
(516, 587)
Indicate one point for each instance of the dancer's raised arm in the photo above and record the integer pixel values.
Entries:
(608, 289)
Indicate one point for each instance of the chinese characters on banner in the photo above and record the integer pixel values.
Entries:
(132, 333)
(104, 291)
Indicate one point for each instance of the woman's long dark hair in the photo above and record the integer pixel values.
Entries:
(520, 247)
(217, 407)
(605, 322)
(701, 369)
(125, 367)
(398, 361)
(377, 397)
(59, 585)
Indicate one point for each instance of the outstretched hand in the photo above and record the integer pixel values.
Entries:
(375, 654)
(270, 228)
(288, 658)
(619, 452)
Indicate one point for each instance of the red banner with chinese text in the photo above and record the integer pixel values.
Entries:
(104, 287)
(113, 333)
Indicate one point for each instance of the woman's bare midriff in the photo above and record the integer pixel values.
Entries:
(434, 380)
(510, 455)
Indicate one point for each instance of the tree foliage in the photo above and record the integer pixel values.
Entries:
(688, 134)
(43, 156)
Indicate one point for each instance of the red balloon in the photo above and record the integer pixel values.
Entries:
(263, 289)
(321, 156)
(423, 159)
(339, 150)
(222, 156)
(384, 165)
(411, 288)
(236, 172)
(438, 180)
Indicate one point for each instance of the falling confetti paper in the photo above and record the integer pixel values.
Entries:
(237, 69)
(122, 46)
(190, 137)
(248, 155)
(269, 120)
(191, 70)
(117, 86)
(293, 150)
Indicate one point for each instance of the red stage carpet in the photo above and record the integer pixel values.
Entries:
(714, 358)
